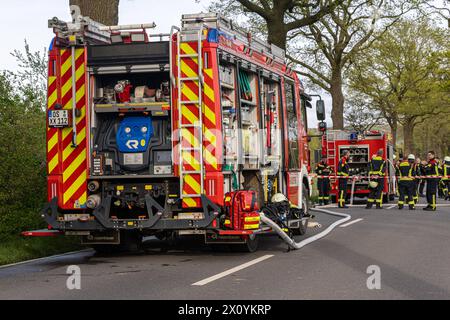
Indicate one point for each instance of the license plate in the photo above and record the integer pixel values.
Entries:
(133, 159)
(76, 217)
(58, 118)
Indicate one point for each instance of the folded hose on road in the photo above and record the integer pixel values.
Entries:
(298, 245)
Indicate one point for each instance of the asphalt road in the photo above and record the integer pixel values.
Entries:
(410, 248)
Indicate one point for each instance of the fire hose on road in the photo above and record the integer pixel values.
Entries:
(298, 245)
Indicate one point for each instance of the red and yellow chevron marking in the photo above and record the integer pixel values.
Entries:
(209, 122)
(190, 115)
(74, 160)
(52, 133)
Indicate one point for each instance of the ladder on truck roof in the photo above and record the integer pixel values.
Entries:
(331, 149)
(190, 102)
(217, 21)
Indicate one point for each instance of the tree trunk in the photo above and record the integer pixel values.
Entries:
(276, 30)
(103, 11)
(394, 134)
(408, 136)
(337, 95)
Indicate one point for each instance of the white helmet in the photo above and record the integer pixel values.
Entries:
(411, 157)
(447, 159)
(373, 184)
(279, 197)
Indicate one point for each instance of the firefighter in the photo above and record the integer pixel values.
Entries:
(377, 169)
(407, 184)
(431, 172)
(446, 177)
(423, 181)
(323, 184)
(416, 180)
(343, 173)
(441, 184)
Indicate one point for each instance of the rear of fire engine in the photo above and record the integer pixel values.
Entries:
(173, 134)
(362, 146)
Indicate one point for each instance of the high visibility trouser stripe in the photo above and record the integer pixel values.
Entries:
(433, 203)
(341, 198)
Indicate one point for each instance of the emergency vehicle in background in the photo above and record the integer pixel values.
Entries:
(191, 132)
(362, 147)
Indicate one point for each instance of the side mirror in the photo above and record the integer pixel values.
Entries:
(320, 109)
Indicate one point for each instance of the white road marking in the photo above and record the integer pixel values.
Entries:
(351, 222)
(43, 258)
(391, 207)
(231, 271)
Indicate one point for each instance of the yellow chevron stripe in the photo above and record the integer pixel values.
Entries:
(209, 92)
(191, 160)
(51, 80)
(52, 142)
(189, 180)
(74, 165)
(66, 87)
(188, 71)
(186, 48)
(74, 187)
(209, 114)
(189, 202)
(80, 72)
(52, 164)
(67, 131)
(209, 73)
(68, 151)
(52, 99)
(211, 159)
(210, 137)
(80, 93)
(66, 67)
(78, 53)
(192, 96)
(187, 113)
(190, 138)
(83, 198)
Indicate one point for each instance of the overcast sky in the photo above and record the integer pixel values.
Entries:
(27, 19)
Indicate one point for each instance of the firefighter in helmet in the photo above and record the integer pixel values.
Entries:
(407, 185)
(343, 173)
(377, 170)
(323, 170)
(446, 177)
(431, 172)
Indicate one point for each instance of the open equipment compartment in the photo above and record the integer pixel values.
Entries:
(130, 102)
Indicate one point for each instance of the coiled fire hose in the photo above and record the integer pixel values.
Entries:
(298, 245)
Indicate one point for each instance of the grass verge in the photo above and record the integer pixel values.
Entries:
(20, 249)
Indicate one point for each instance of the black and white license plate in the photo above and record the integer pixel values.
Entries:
(58, 118)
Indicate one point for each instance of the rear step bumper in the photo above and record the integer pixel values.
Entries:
(102, 221)
(42, 233)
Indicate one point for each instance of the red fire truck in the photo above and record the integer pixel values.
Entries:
(190, 132)
(362, 147)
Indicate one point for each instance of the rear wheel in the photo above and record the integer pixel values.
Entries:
(305, 209)
(250, 245)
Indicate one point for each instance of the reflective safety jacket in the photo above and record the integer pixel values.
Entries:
(343, 168)
(406, 171)
(432, 168)
(377, 166)
(323, 169)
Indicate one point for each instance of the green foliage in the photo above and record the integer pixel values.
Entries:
(404, 75)
(19, 249)
(22, 145)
